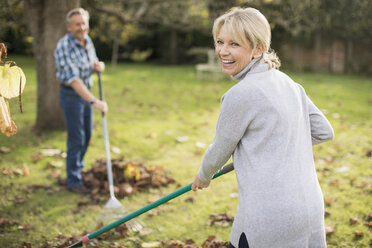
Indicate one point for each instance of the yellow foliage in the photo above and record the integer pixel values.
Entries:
(7, 125)
(131, 171)
(12, 81)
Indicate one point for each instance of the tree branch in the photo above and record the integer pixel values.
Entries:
(118, 15)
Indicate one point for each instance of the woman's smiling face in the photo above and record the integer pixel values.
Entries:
(233, 57)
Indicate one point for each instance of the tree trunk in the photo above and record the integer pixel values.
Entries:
(297, 58)
(173, 47)
(115, 51)
(337, 59)
(349, 57)
(317, 51)
(47, 23)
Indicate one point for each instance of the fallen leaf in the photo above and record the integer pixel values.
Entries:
(175, 244)
(55, 164)
(122, 230)
(24, 227)
(335, 183)
(234, 195)
(4, 149)
(168, 132)
(369, 153)
(212, 242)
(5, 221)
(83, 203)
(182, 139)
(358, 234)
(347, 203)
(144, 231)
(7, 125)
(152, 135)
(327, 213)
(116, 150)
(329, 230)
(131, 171)
(151, 244)
(153, 212)
(199, 144)
(223, 220)
(353, 221)
(18, 172)
(55, 173)
(367, 223)
(7, 172)
(36, 157)
(343, 169)
(125, 189)
(26, 245)
(190, 199)
(50, 152)
(26, 170)
(198, 152)
(328, 201)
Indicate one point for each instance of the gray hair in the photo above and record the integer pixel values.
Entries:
(77, 11)
(249, 28)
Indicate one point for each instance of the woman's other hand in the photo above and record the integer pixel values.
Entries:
(199, 184)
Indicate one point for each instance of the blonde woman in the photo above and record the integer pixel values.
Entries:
(268, 124)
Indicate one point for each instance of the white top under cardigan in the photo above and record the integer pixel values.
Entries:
(269, 125)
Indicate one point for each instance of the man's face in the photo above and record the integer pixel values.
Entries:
(78, 26)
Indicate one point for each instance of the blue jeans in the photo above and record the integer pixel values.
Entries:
(78, 119)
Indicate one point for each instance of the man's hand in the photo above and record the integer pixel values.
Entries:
(101, 105)
(99, 66)
(199, 184)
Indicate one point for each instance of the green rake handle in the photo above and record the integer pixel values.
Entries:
(150, 206)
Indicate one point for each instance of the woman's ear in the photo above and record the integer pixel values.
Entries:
(258, 51)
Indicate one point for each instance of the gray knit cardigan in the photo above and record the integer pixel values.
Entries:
(268, 124)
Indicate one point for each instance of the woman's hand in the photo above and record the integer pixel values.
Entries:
(199, 184)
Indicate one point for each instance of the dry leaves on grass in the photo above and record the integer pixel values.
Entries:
(222, 219)
(62, 241)
(5, 222)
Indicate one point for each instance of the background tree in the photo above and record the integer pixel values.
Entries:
(47, 24)
(168, 21)
(13, 27)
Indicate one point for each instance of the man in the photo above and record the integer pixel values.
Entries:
(76, 61)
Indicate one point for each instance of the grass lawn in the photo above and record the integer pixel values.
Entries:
(150, 107)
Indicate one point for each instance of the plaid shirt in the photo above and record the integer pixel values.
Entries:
(74, 61)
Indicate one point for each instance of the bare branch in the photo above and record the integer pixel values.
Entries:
(118, 15)
(141, 10)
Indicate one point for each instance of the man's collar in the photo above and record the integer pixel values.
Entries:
(76, 41)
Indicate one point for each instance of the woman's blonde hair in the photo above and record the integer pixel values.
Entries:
(250, 29)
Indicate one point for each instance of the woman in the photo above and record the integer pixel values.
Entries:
(268, 124)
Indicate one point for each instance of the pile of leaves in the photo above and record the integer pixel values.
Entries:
(129, 177)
